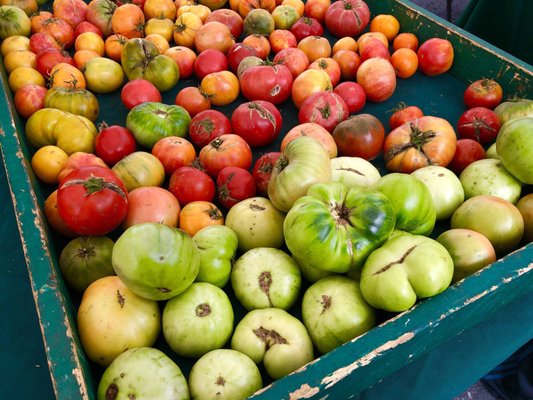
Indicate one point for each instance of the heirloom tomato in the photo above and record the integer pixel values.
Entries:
(349, 62)
(315, 131)
(190, 183)
(72, 11)
(405, 40)
(378, 79)
(326, 109)
(260, 43)
(308, 82)
(466, 152)
(514, 144)
(374, 48)
(317, 9)
(207, 125)
(22, 76)
(113, 46)
(331, 66)
(86, 26)
(76, 101)
(315, 47)
(404, 113)
(236, 54)
(192, 99)
(222, 87)
(46, 60)
(140, 169)
(233, 185)
(210, 60)
(353, 95)
(92, 200)
(514, 108)
(199, 214)
(281, 39)
(258, 122)
(174, 152)
(77, 160)
(103, 75)
(151, 204)
(113, 143)
(60, 30)
(213, 35)
(360, 135)
(262, 170)
(479, 123)
(225, 150)
(184, 57)
(53, 219)
(386, 24)
(284, 16)
(185, 29)
(29, 98)
(483, 93)
(128, 20)
(47, 163)
(294, 59)
(276, 83)
(347, 17)
(306, 26)
(405, 62)
(99, 13)
(228, 17)
(139, 91)
(435, 56)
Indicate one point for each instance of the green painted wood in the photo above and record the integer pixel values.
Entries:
(356, 366)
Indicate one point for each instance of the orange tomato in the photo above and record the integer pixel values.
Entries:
(260, 43)
(367, 35)
(331, 66)
(317, 9)
(162, 26)
(47, 163)
(159, 9)
(345, 43)
(160, 42)
(151, 204)
(386, 24)
(90, 41)
(213, 35)
(199, 9)
(113, 46)
(54, 220)
(349, 61)
(308, 82)
(315, 131)
(66, 75)
(221, 87)
(128, 20)
(298, 5)
(82, 56)
(405, 62)
(199, 214)
(185, 28)
(405, 39)
(315, 47)
(245, 6)
(37, 20)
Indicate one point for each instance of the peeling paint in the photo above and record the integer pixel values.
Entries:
(304, 392)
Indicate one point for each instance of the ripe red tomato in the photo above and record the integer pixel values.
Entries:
(276, 83)
(347, 18)
(113, 143)
(29, 98)
(139, 91)
(306, 26)
(479, 123)
(466, 152)
(234, 184)
(209, 60)
(188, 184)
(174, 152)
(262, 171)
(258, 122)
(435, 56)
(237, 53)
(223, 151)
(208, 125)
(353, 95)
(92, 200)
(361, 135)
(326, 109)
(193, 99)
(483, 93)
(404, 113)
(48, 58)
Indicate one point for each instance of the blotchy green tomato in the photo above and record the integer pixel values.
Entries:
(74, 100)
(514, 109)
(404, 269)
(217, 245)
(514, 146)
(13, 21)
(335, 229)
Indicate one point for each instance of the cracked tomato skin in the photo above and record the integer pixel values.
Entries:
(415, 144)
(326, 109)
(92, 201)
(233, 185)
(276, 83)
(258, 122)
(480, 124)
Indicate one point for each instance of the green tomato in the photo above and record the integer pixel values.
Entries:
(509, 110)
(303, 162)
(284, 16)
(354, 171)
(103, 75)
(143, 373)
(198, 320)
(217, 245)
(13, 21)
(412, 202)
(514, 145)
(151, 121)
(85, 259)
(335, 229)
(404, 269)
(156, 261)
(334, 311)
(74, 100)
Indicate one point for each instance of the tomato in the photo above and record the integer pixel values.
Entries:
(405, 62)
(316, 132)
(60, 30)
(378, 79)
(77, 160)
(258, 122)
(185, 28)
(53, 219)
(223, 151)
(29, 98)
(298, 5)
(199, 214)
(514, 108)
(128, 20)
(90, 41)
(423, 141)
(77, 101)
(113, 143)
(213, 35)
(405, 40)
(479, 123)
(245, 6)
(294, 59)
(315, 47)
(207, 125)
(222, 87)
(198, 9)
(159, 8)
(92, 200)
(360, 135)
(234, 184)
(326, 109)
(237, 53)
(192, 99)
(484, 92)
(435, 56)
(210, 60)
(276, 83)
(48, 58)
(66, 75)
(82, 57)
(139, 91)
(13, 21)
(162, 26)
(308, 82)
(174, 152)
(189, 183)
(14, 43)
(47, 163)
(317, 9)
(185, 58)
(374, 48)
(248, 62)
(72, 11)
(349, 62)
(113, 46)
(344, 43)
(386, 24)
(260, 43)
(22, 76)
(262, 170)
(86, 26)
(347, 17)
(151, 204)
(138, 169)
(284, 16)
(259, 22)
(99, 13)
(331, 66)
(41, 41)
(281, 39)
(353, 95)
(228, 17)
(466, 152)
(306, 26)
(404, 113)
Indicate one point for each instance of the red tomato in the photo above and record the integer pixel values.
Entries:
(378, 78)
(349, 62)
(48, 58)
(275, 83)
(86, 26)
(92, 200)
(404, 113)
(210, 60)
(113, 143)
(435, 56)
(174, 152)
(41, 41)
(466, 152)
(189, 184)
(193, 99)
(237, 53)
(208, 125)
(78, 160)
(234, 184)
(185, 59)
(294, 59)
(223, 151)
(353, 95)
(262, 171)
(29, 99)
(306, 26)
(479, 123)
(347, 17)
(360, 135)
(483, 93)
(139, 91)
(326, 109)
(258, 122)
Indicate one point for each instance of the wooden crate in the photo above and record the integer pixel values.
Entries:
(357, 365)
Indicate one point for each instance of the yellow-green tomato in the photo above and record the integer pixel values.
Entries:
(138, 169)
(13, 21)
(103, 75)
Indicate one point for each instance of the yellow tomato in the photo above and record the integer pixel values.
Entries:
(47, 163)
(23, 58)
(162, 26)
(14, 43)
(160, 42)
(344, 43)
(90, 41)
(23, 76)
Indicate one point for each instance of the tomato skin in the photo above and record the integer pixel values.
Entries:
(360, 135)
(234, 184)
(223, 151)
(353, 95)
(347, 18)
(199, 214)
(209, 60)
(306, 26)
(188, 184)
(174, 152)
(258, 122)
(208, 125)
(466, 152)
(138, 91)
(404, 113)
(113, 143)
(483, 93)
(262, 170)
(479, 123)
(435, 56)
(327, 109)
(92, 201)
(276, 83)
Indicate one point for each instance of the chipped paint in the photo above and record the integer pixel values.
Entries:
(304, 392)
(343, 372)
